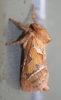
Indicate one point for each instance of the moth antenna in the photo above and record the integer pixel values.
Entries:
(33, 15)
(21, 41)
(20, 25)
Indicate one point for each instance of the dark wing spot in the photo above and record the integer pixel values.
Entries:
(38, 66)
(29, 59)
(33, 86)
(36, 85)
(29, 75)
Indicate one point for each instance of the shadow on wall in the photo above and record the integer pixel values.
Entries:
(11, 72)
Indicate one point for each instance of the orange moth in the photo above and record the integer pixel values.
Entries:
(34, 76)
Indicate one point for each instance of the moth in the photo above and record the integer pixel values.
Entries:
(35, 74)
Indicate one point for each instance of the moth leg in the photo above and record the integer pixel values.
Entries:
(33, 15)
(19, 41)
(12, 43)
(20, 25)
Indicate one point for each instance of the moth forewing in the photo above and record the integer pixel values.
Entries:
(35, 69)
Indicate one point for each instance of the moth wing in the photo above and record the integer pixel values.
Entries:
(35, 72)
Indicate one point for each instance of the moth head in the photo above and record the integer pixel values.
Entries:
(41, 33)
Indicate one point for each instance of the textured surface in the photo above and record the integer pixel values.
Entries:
(9, 79)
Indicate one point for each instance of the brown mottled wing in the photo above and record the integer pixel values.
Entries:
(35, 73)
